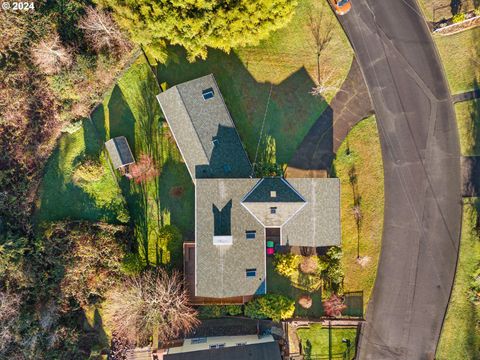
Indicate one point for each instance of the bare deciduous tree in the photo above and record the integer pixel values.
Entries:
(101, 32)
(326, 82)
(9, 310)
(321, 32)
(148, 304)
(50, 55)
(321, 28)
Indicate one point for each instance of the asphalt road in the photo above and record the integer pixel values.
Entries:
(421, 156)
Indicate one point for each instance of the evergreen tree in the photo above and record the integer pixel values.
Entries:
(199, 24)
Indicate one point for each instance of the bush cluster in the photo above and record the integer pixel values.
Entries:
(270, 306)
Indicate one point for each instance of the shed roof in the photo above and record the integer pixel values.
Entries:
(119, 152)
(204, 130)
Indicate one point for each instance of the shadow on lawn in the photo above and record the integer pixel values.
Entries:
(292, 109)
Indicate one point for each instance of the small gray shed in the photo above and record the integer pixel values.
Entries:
(119, 152)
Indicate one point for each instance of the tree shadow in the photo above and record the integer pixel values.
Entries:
(98, 119)
(291, 112)
(121, 119)
(307, 350)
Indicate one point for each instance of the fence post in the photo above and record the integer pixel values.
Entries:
(329, 340)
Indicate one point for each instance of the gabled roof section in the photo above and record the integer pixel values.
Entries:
(273, 201)
(204, 131)
(119, 152)
(318, 224)
(273, 189)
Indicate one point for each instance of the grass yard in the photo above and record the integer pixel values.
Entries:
(62, 197)
(284, 64)
(360, 156)
(278, 284)
(131, 110)
(468, 122)
(460, 337)
(314, 341)
(460, 54)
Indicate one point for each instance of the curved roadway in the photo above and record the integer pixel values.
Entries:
(421, 156)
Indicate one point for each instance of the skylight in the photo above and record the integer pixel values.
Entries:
(273, 194)
(208, 93)
(251, 272)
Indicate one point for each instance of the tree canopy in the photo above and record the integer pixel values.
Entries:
(199, 24)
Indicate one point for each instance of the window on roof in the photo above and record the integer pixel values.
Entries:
(241, 344)
(273, 210)
(273, 194)
(208, 93)
(217, 346)
(251, 272)
(250, 234)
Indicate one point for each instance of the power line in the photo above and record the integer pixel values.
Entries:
(262, 128)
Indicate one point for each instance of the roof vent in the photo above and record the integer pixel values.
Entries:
(208, 93)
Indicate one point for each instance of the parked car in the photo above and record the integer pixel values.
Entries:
(341, 6)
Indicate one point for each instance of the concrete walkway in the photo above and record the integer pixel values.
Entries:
(469, 95)
(315, 154)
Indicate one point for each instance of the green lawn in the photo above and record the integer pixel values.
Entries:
(131, 110)
(285, 64)
(460, 54)
(460, 338)
(61, 197)
(278, 284)
(468, 122)
(315, 341)
(364, 155)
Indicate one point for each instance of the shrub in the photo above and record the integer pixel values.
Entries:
(309, 264)
(305, 301)
(218, 311)
(334, 306)
(458, 18)
(88, 171)
(234, 310)
(211, 311)
(287, 264)
(477, 12)
(272, 306)
(132, 264)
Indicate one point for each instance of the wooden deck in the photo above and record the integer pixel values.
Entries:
(189, 274)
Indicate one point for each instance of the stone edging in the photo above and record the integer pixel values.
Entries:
(458, 27)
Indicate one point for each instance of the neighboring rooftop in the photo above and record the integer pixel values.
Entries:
(204, 131)
(268, 350)
(119, 152)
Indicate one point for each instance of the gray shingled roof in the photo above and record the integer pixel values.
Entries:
(204, 130)
(221, 269)
(119, 152)
(318, 223)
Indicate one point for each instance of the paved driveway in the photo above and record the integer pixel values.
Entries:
(422, 178)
